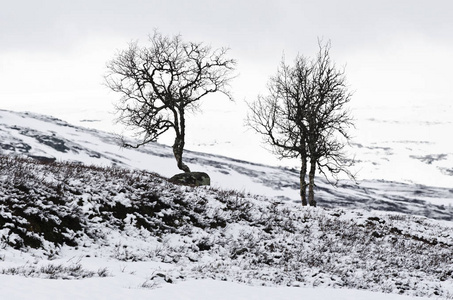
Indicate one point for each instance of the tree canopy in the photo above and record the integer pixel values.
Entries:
(161, 82)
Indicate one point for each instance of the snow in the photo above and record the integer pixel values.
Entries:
(139, 265)
(125, 286)
(391, 142)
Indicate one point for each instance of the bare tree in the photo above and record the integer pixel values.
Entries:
(160, 83)
(304, 116)
(328, 119)
(278, 117)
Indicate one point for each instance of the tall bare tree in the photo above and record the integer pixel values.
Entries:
(328, 119)
(160, 83)
(304, 116)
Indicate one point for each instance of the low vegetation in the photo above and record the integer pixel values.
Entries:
(52, 271)
(205, 232)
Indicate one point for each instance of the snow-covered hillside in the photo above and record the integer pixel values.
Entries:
(102, 218)
(136, 230)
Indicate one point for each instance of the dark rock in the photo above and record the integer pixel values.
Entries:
(54, 142)
(191, 178)
(43, 159)
(16, 147)
(7, 147)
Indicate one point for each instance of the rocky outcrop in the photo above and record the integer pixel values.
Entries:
(191, 178)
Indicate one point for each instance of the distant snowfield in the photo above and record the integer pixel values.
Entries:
(409, 144)
(406, 144)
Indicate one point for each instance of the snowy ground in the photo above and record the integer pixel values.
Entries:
(68, 225)
(119, 265)
(124, 286)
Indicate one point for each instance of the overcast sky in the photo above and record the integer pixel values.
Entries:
(53, 52)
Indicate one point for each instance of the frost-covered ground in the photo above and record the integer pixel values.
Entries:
(111, 233)
(136, 231)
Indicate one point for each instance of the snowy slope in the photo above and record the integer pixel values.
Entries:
(107, 233)
(36, 135)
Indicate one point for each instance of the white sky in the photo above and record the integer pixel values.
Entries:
(53, 52)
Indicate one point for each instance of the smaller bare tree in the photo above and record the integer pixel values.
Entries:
(160, 83)
(304, 116)
(278, 117)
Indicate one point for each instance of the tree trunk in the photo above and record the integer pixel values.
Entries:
(180, 130)
(311, 183)
(178, 148)
(303, 183)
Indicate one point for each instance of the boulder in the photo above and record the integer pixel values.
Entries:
(191, 178)
(43, 159)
